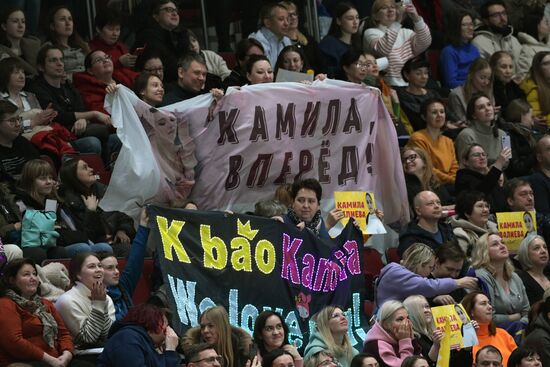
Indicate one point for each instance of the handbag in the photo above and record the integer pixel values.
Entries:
(37, 229)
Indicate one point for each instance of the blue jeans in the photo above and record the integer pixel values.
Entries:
(86, 247)
(89, 144)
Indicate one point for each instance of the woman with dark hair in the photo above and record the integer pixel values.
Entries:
(388, 38)
(341, 36)
(278, 358)
(533, 258)
(32, 329)
(505, 88)
(472, 219)
(478, 307)
(107, 25)
(476, 174)
(534, 38)
(244, 49)
(86, 308)
(291, 58)
(142, 338)
(62, 34)
(150, 61)
(440, 148)
(482, 129)
(537, 87)
(81, 193)
(415, 361)
(271, 333)
(149, 88)
(364, 360)
(455, 58)
(539, 337)
(14, 43)
(354, 65)
(525, 357)
(259, 70)
(231, 342)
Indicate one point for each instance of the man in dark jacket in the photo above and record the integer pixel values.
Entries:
(427, 229)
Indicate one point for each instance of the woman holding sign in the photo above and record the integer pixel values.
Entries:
(490, 259)
(425, 333)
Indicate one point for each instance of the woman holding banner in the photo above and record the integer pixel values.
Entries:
(331, 335)
(479, 308)
(231, 342)
(425, 333)
(533, 257)
(490, 259)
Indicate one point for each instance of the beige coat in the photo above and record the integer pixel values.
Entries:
(530, 46)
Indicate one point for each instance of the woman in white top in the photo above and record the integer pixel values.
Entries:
(86, 308)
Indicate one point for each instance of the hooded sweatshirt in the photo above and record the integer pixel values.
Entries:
(317, 344)
(397, 283)
(488, 42)
(388, 351)
(131, 345)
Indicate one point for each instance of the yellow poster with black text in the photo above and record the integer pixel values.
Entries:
(514, 226)
(361, 206)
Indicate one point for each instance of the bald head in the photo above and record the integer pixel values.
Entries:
(427, 206)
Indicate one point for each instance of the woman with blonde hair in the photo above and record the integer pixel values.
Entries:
(478, 80)
(533, 257)
(231, 342)
(537, 86)
(391, 338)
(490, 259)
(331, 335)
(388, 38)
(398, 281)
(425, 333)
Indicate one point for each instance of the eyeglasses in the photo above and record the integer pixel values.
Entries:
(169, 10)
(479, 155)
(13, 121)
(101, 59)
(327, 362)
(499, 14)
(410, 158)
(361, 65)
(210, 360)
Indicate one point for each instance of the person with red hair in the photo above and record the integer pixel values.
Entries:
(137, 338)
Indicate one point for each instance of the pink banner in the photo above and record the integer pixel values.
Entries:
(261, 136)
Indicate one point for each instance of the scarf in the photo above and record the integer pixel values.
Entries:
(36, 307)
(312, 226)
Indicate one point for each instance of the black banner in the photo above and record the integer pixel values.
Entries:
(249, 264)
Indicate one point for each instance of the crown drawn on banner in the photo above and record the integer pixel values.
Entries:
(245, 230)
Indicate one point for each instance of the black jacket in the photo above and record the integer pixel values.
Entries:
(467, 179)
(414, 233)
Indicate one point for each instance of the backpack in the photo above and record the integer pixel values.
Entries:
(37, 229)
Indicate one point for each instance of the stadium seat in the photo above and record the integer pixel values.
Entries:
(392, 255)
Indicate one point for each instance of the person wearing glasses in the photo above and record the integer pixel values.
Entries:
(495, 34)
(15, 150)
(203, 355)
(165, 36)
(107, 25)
(144, 338)
(331, 335)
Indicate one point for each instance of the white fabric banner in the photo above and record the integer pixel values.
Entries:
(234, 152)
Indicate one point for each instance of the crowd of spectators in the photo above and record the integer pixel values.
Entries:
(467, 85)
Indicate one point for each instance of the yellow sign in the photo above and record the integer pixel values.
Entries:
(361, 206)
(514, 226)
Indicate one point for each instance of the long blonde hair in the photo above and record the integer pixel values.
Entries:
(322, 319)
(481, 259)
(219, 318)
(418, 254)
(415, 307)
(475, 67)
